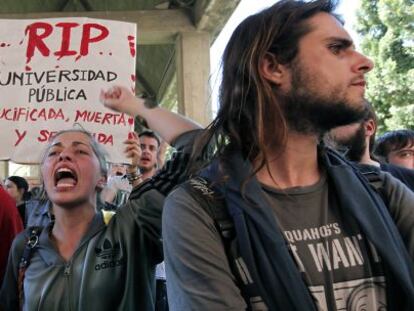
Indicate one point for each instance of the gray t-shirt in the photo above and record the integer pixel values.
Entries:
(198, 273)
(339, 265)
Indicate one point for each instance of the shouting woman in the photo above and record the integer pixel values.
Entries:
(87, 259)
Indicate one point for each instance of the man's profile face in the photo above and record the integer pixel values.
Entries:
(149, 147)
(327, 79)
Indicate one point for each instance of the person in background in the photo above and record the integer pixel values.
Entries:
(357, 141)
(150, 146)
(10, 225)
(117, 188)
(18, 188)
(396, 147)
(36, 192)
(148, 165)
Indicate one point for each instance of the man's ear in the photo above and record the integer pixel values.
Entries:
(370, 127)
(272, 70)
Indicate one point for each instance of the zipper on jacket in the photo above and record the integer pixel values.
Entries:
(68, 273)
(67, 270)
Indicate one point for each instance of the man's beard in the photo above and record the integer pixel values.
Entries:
(353, 146)
(308, 111)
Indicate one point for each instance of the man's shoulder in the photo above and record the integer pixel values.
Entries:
(188, 197)
(179, 193)
(198, 197)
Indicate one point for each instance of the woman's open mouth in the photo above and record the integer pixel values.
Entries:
(65, 177)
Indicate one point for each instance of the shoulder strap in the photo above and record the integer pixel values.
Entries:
(376, 182)
(32, 242)
(371, 173)
(373, 178)
(201, 190)
(215, 206)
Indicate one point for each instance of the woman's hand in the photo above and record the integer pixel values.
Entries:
(167, 124)
(121, 99)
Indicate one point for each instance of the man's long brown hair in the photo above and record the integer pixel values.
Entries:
(249, 118)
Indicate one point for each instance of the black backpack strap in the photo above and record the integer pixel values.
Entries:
(214, 205)
(373, 176)
(371, 173)
(202, 191)
(32, 242)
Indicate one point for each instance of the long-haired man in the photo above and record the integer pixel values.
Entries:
(306, 230)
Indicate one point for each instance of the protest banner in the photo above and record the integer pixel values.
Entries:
(51, 74)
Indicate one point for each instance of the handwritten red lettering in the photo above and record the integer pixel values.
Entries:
(20, 136)
(66, 31)
(100, 118)
(102, 138)
(39, 31)
(87, 39)
(45, 135)
(31, 114)
(36, 40)
(131, 41)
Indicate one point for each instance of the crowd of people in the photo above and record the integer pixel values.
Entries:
(286, 201)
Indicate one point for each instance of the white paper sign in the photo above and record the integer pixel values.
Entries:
(51, 73)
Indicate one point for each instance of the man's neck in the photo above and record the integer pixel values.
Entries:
(369, 161)
(294, 166)
(366, 157)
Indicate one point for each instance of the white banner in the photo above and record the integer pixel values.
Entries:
(51, 74)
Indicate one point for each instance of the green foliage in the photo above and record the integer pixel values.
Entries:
(401, 115)
(387, 31)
